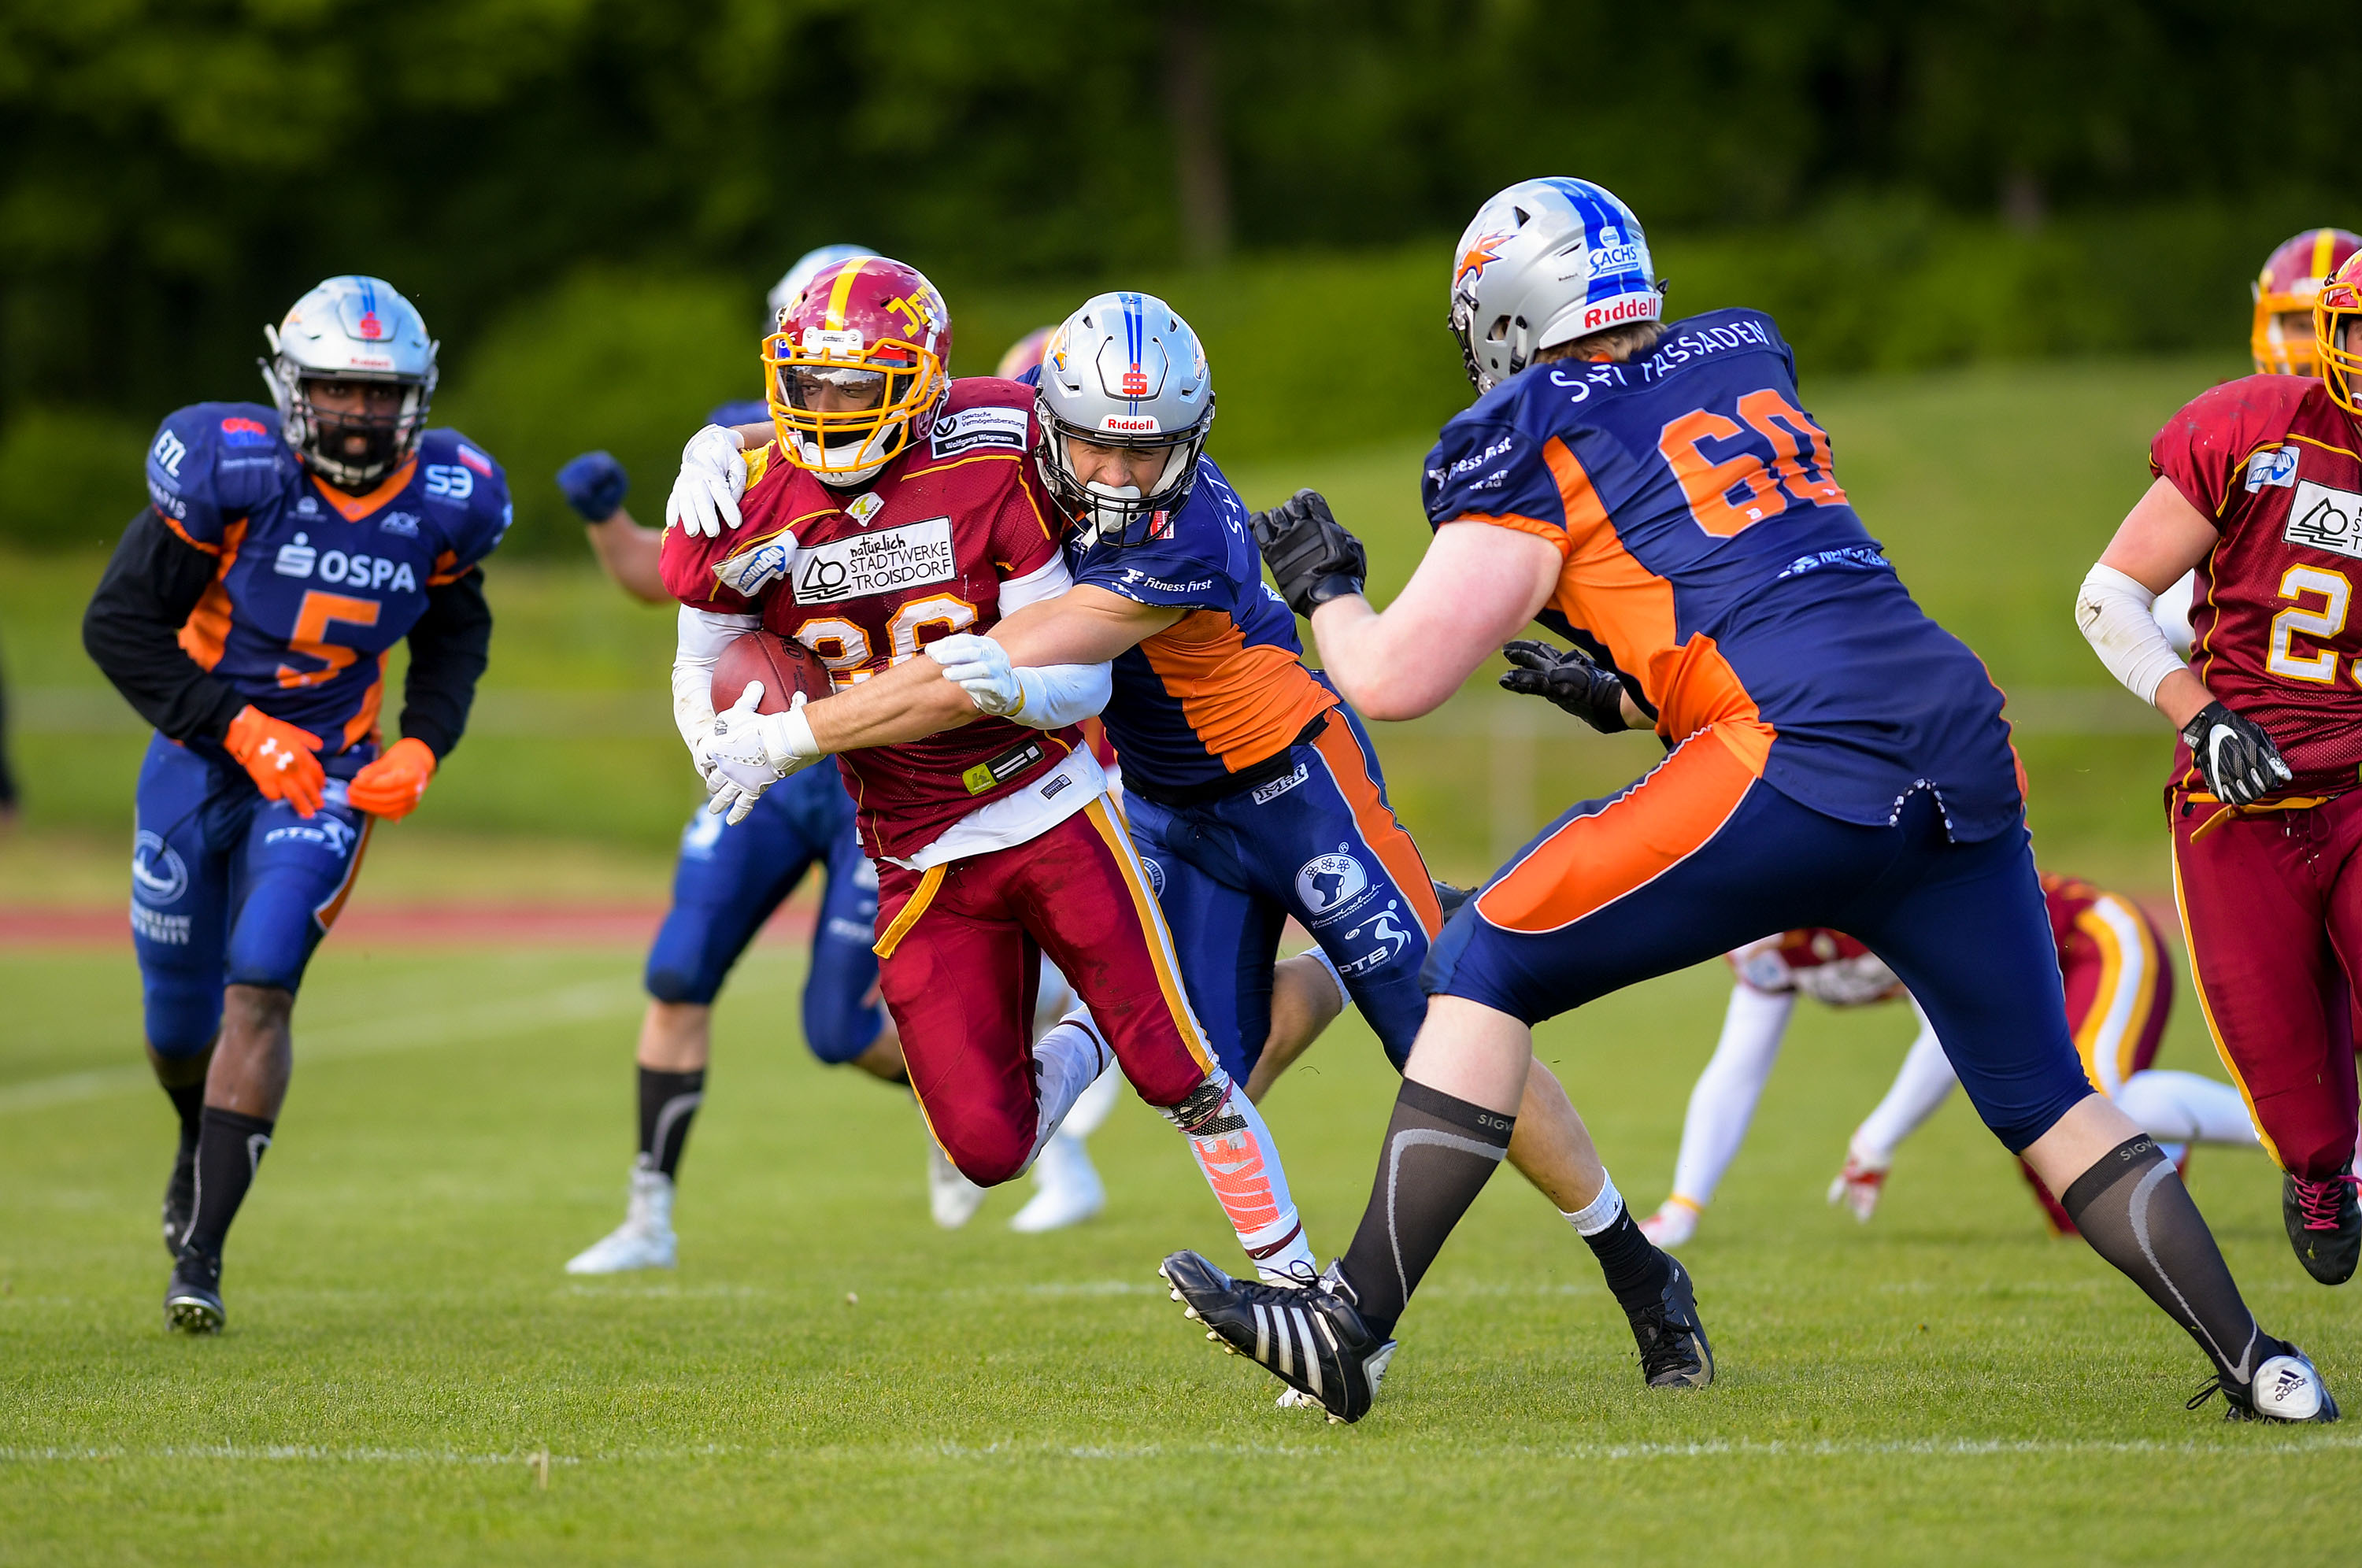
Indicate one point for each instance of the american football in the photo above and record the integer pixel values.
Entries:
(1681, 895)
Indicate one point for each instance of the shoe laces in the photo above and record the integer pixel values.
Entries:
(2323, 1203)
(2215, 1385)
(1663, 1348)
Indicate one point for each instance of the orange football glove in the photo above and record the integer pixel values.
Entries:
(280, 758)
(393, 786)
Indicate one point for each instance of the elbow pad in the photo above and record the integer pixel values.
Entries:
(2113, 611)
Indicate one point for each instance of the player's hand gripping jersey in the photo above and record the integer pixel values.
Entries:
(313, 586)
(2272, 461)
(1224, 687)
(866, 580)
(1711, 554)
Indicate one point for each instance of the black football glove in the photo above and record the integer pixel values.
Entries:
(2241, 764)
(1311, 556)
(1570, 677)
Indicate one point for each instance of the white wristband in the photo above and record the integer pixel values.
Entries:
(2113, 611)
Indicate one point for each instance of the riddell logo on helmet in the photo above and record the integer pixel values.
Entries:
(1633, 307)
(1132, 425)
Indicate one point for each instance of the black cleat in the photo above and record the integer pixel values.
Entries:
(192, 1303)
(180, 1199)
(1311, 1339)
(1673, 1351)
(2324, 1225)
(2287, 1388)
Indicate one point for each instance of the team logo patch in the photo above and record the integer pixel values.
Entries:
(1264, 794)
(296, 557)
(158, 874)
(405, 524)
(974, 429)
(2277, 467)
(864, 506)
(245, 433)
(2325, 519)
(1155, 873)
(912, 556)
(1331, 887)
(749, 571)
(1389, 942)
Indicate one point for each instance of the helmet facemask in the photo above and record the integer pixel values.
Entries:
(2334, 308)
(1105, 514)
(893, 381)
(360, 332)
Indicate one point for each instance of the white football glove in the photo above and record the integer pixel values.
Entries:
(750, 751)
(980, 668)
(713, 477)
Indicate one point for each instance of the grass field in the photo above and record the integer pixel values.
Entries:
(828, 1378)
(408, 1377)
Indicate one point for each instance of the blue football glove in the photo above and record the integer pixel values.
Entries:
(594, 484)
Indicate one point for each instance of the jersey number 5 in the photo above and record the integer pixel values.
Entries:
(1740, 490)
(312, 620)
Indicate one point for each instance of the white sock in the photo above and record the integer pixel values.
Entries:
(1599, 1213)
(1234, 1149)
(1920, 1088)
(1093, 1106)
(1723, 1101)
(1068, 1060)
(2184, 1107)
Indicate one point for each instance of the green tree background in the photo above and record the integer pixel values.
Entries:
(586, 197)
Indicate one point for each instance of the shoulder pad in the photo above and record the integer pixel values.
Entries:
(211, 461)
(468, 490)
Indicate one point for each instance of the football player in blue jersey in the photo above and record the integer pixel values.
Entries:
(726, 884)
(1657, 496)
(248, 613)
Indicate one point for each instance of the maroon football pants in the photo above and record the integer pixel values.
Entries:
(2271, 901)
(959, 954)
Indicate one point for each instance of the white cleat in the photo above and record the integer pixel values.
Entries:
(1066, 1189)
(644, 1239)
(951, 1198)
(1674, 1223)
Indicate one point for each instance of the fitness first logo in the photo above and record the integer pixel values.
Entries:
(158, 874)
(909, 556)
(2325, 519)
(1331, 887)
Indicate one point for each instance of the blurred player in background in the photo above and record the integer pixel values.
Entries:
(894, 510)
(1836, 759)
(728, 882)
(248, 614)
(2258, 488)
(2119, 984)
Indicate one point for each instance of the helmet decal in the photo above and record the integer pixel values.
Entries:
(1123, 371)
(351, 329)
(1544, 262)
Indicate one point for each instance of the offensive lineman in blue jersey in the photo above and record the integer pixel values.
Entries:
(248, 614)
(1835, 758)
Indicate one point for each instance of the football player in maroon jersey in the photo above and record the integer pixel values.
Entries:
(891, 508)
(2259, 487)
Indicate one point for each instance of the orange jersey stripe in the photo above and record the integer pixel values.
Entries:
(1593, 861)
(206, 633)
(1245, 703)
(1381, 829)
(356, 507)
(362, 725)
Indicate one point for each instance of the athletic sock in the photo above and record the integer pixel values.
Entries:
(1235, 1151)
(189, 1100)
(1637, 1271)
(2136, 1214)
(667, 1102)
(229, 1147)
(1069, 1059)
(1439, 1153)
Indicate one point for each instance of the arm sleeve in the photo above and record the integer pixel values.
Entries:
(448, 646)
(132, 631)
(699, 639)
(2112, 611)
(1056, 695)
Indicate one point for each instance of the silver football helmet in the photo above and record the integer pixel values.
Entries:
(351, 329)
(1543, 264)
(1124, 370)
(808, 267)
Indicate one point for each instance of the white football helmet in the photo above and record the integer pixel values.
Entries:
(351, 329)
(1124, 370)
(1543, 264)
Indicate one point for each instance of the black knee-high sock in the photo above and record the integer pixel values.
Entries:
(2136, 1214)
(189, 1100)
(1438, 1155)
(667, 1102)
(229, 1147)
